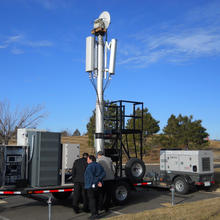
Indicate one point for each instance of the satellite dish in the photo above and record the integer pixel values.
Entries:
(105, 16)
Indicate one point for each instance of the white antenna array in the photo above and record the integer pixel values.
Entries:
(96, 66)
(100, 28)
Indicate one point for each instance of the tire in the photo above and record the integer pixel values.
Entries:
(61, 195)
(135, 169)
(181, 186)
(120, 193)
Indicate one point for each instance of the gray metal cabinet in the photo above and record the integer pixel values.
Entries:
(44, 159)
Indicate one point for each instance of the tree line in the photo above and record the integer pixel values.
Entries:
(180, 131)
(67, 133)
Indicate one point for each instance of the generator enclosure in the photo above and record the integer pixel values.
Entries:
(13, 162)
(188, 161)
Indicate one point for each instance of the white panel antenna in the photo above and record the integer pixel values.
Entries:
(90, 44)
(113, 47)
(96, 59)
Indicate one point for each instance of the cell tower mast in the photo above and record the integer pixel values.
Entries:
(96, 65)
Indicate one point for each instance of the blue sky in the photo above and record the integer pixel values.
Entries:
(168, 57)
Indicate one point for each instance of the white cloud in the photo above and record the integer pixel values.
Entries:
(208, 12)
(13, 39)
(178, 47)
(52, 4)
(176, 43)
(18, 43)
(3, 46)
(196, 43)
(17, 51)
(43, 43)
(9, 40)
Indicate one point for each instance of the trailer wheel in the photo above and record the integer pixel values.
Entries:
(61, 195)
(135, 169)
(121, 193)
(181, 186)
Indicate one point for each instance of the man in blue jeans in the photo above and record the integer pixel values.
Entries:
(94, 175)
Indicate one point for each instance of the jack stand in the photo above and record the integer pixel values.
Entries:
(49, 202)
(172, 189)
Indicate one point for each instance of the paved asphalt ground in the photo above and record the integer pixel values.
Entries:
(22, 208)
(36, 208)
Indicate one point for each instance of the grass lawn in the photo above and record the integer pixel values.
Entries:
(217, 180)
(200, 210)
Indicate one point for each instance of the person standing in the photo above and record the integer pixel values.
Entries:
(94, 175)
(78, 170)
(106, 163)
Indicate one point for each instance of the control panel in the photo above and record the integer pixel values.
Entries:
(13, 164)
(13, 169)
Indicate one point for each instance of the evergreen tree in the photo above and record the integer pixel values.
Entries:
(150, 125)
(109, 113)
(76, 133)
(91, 129)
(183, 132)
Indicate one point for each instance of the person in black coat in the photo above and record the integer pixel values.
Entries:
(78, 170)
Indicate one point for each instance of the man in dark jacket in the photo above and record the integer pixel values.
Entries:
(79, 167)
(94, 175)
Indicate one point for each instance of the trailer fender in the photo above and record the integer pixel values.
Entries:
(188, 179)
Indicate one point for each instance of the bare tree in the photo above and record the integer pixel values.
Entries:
(11, 120)
(66, 133)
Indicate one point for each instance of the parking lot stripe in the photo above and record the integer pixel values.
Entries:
(118, 213)
(166, 204)
(2, 201)
(3, 218)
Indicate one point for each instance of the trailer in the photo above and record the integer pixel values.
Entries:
(40, 164)
(24, 169)
(184, 169)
